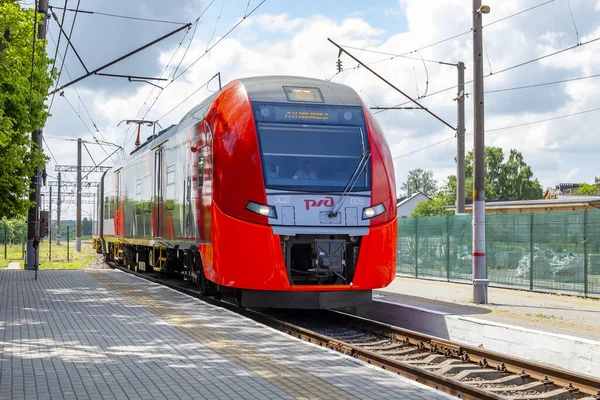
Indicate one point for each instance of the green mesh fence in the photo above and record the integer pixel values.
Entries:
(561, 248)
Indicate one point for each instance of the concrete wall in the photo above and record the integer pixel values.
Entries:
(561, 351)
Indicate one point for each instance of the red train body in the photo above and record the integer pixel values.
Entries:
(278, 189)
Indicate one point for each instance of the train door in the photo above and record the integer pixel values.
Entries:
(117, 205)
(188, 217)
(205, 181)
(158, 193)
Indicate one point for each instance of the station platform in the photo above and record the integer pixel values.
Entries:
(105, 334)
(558, 330)
(560, 314)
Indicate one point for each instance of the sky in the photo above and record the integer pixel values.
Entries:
(282, 37)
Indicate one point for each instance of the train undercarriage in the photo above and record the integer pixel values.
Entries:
(311, 260)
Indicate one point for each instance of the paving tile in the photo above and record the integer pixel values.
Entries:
(80, 335)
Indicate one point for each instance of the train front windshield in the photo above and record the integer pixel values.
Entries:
(312, 148)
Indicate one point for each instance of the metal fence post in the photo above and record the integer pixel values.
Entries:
(23, 247)
(585, 255)
(448, 248)
(531, 251)
(5, 241)
(416, 248)
(67, 242)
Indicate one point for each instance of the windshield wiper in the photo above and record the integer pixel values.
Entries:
(350, 185)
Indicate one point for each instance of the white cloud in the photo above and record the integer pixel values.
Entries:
(558, 150)
(278, 23)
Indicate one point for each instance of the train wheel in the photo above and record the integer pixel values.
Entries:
(206, 287)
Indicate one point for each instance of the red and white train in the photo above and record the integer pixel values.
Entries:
(279, 190)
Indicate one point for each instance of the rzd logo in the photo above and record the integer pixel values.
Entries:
(327, 202)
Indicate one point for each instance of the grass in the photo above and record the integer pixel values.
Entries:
(58, 256)
(542, 316)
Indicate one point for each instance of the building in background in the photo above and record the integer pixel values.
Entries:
(561, 202)
(407, 204)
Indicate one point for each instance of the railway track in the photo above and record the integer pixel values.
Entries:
(464, 371)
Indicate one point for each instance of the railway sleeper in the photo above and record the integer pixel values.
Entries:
(354, 336)
(512, 379)
(558, 394)
(359, 341)
(402, 353)
(431, 359)
(486, 374)
(376, 343)
(447, 362)
(454, 369)
(389, 347)
(537, 386)
(416, 356)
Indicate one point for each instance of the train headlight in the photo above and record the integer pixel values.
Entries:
(370, 212)
(261, 209)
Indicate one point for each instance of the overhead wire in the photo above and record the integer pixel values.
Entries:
(83, 104)
(542, 120)
(77, 113)
(216, 24)
(518, 13)
(198, 59)
(424, 148)
(64, 56)
(196, 23)
(405, 54)
(119, 16)
(62, 23)
(508, 69)
(503, 128)
(487, 55)
(154, 88)
(90, 154)
(573, 20)
(542, 84)
(247, 5)
(126, 141)
(218, 41)
(188, 97)
(393, 55)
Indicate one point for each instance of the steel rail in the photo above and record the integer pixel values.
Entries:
(574, 382)
(485, 358)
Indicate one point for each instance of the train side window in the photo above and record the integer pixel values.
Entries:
(200, 170)
(106, 207)
(138, 187)
(171, 175)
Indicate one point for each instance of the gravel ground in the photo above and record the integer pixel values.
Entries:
(97, 263)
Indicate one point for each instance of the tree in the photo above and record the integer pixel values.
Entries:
(86, 226)
(510, 179)
(419, 180)
(22, 108)
(6, 231)
(434, 207)
(504, 179)
(586, 189)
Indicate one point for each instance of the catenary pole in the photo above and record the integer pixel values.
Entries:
(480, 282)
(78, 221)
(58, 203)
(33, 234)
(460, 141)
(50, 225)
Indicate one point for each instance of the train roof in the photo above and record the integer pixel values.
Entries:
(270, 89)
